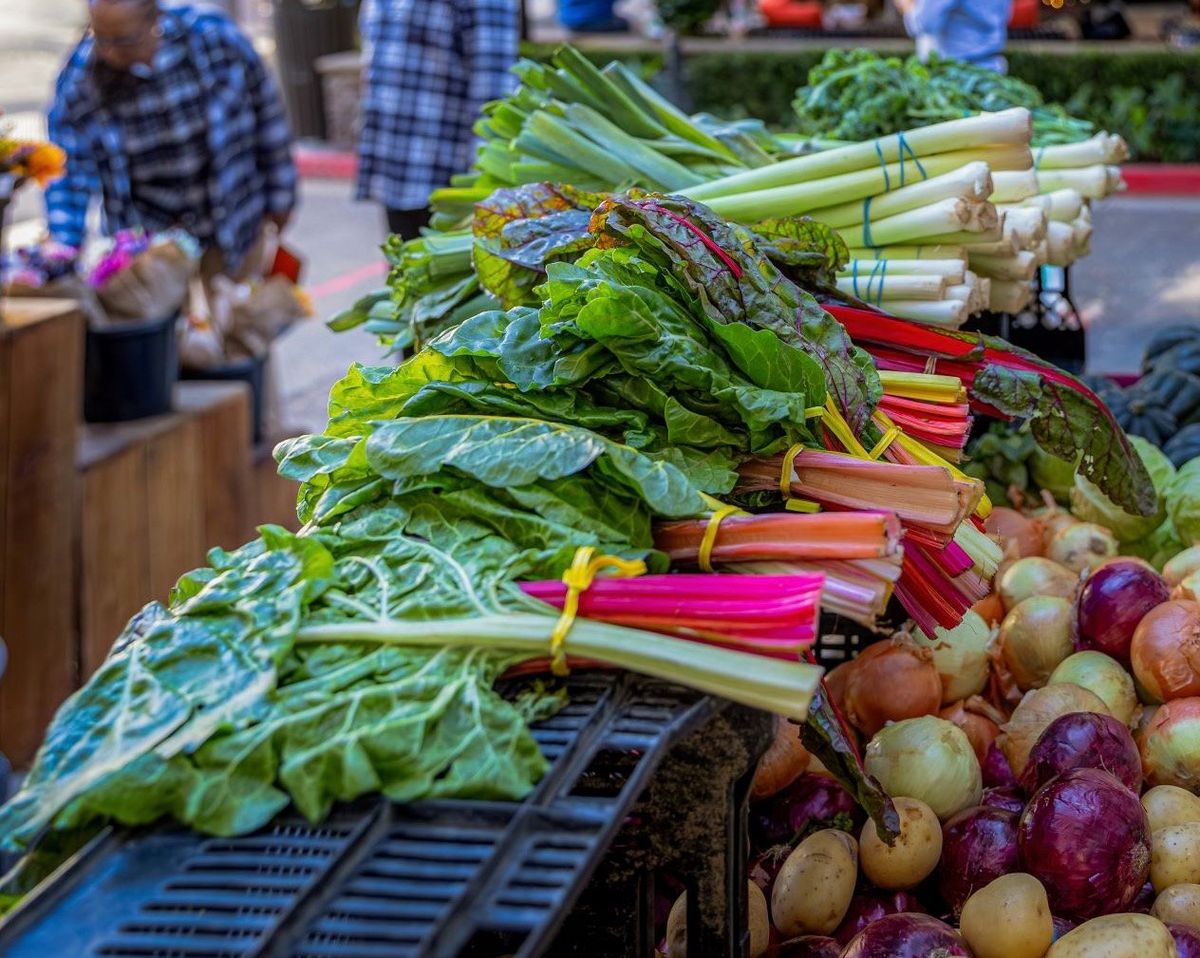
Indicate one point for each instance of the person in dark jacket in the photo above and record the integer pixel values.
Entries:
(429, 67)
(170, 119)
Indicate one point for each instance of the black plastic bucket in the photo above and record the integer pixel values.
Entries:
(130, 370)
(251, 371)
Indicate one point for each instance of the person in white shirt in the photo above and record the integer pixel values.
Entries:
(969, 30)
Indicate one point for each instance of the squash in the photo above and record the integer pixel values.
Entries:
(1184, 445)
(1174, 390)
(1165, 340)
(1184, 357)
(1152, 424)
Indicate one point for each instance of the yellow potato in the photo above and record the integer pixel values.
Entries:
(1179, 905)
(915, 853)
(1168, 805)
(760, 924)
(1175, 855)
(1116, 936)
(1008, 918)
(815, 884)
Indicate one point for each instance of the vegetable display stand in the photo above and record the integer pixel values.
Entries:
(1050, 328)
(130, 370)
(41, 374)
(643, 775)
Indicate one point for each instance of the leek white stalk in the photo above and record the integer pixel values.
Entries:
(1012, 186)
(804, 196)
(1007, 246)
(970, 182)
(1105, 148)
(904, 252)
(881, 285)
(1083, 238)
(1010, 296)
(963, 238)
(1091, 182)
(951, 269)
(785, 688)
(1006, 128)
(1021, 266)
(1026, 225)
(1041, 253)
(1060, 244)
(946, 313)
(944, 216)
(1062, 205)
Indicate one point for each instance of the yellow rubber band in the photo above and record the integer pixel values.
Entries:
(885, 442)
(841, 430)
(578, 578)
(785, 475)
(704, 559)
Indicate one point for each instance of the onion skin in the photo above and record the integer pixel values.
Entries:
(978, 846)
(1008, 798)
(997, 773)
(1187, 940)
(1016, 531)
(1166, 651)
(810, 803)
(869, 906)
(1112, 602)
(980, 730)
(1103, 675)
(1061, 926)
(928, 759)
(782, 763)
(889, 682)
(1085, 837)
(1170, 745)
(1035, 638)
(1181, 566)
(1083, 740)
(907, 935)
(1032, 576)
(1081, 546)
(990, 608)
(1035, 712)
(809, 946)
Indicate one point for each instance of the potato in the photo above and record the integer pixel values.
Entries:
(815, 884)
(760, 924)
(915, 853)
(1008, 918)
(1175, 855)
(1179, 905)
(1116, 936)
(1167, 805)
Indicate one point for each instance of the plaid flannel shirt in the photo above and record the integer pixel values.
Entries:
(203, 65)
(429, 67)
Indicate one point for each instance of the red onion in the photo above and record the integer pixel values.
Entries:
(995, 768)
(1083, 740)
(812, 801)
(1085, 836)
(907, 936)
(1144, 900)
(810, 946)
(1010, 798)
(869, 906)
(1112, 602)
(1187, 940)
(978, 846)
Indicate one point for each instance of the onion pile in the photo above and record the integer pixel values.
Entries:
(978, 846)
(889, 681)
(1083, 740)
(1113, 601)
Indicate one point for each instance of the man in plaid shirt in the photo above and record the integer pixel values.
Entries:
(169, 117)
(430, 66)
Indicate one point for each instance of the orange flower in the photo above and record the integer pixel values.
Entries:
(45, 162)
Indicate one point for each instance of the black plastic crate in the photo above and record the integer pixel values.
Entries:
(443, 879)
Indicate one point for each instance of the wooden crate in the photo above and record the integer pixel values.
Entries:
(41, 396)
(156, 495)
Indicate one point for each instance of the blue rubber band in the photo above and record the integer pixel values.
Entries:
(866, 227)
(887, 180)
(903, 147)
(854, 277)
(1037, 158)
(882, 276)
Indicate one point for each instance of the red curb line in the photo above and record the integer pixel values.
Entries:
(1160, 178)
(348, 280)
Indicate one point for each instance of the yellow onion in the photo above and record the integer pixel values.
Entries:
(1083, 545)
(1035, 712)
(1170, 745)
(1103, 675)
(1018, 534)
(890, 680)
(928, 759)
(978, 719)
(1165, 651)
(1035, 637)
(1034, 575)
(1182, 566)
(782, 763)
(960, 656)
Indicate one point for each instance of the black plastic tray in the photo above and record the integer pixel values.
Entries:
(445, 879)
